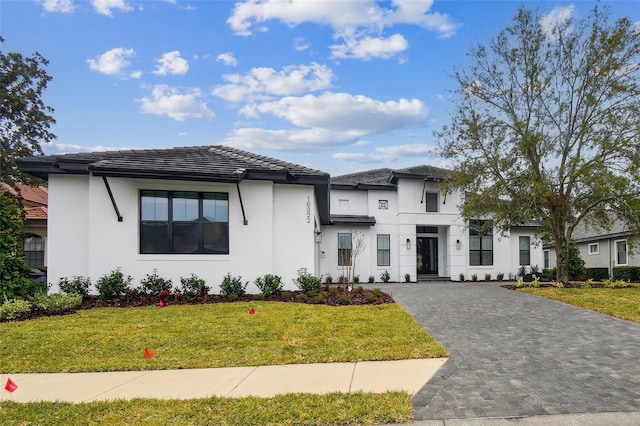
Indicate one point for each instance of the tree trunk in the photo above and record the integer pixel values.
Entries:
(562, 259)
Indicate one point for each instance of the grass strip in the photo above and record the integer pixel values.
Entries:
(214, 335)
(288, 409)
(621, 303)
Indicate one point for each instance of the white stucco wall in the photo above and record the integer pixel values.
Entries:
(86, 239)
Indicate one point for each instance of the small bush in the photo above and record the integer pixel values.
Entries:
(192, 285)
(113, 285)
(57, 302)
(342, 280)
(549, 273)
(328, 279)
(269, 285)
(535, 282)
(307, 282)
(627, 273)
(461, 277)
(12, 309)
(598, 274)
(232, 287)
(500, 276)
(558, 284)
(407, 278)
(615, 284)
(356, 279)
(320, 297)
(152, 284)
(377, 292)
(344, 300)
(372, 279)
(370, 297)
(259, 296)
(587, 284)
(487, 277)
(286, 295)
(333, 291)
(77, 285)
(474, 277)
(385, 277)
(301, 298)
(519, 284)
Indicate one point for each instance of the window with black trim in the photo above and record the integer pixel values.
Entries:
(344, 249)
(182, 222)
(431, 202)
(621, 252)
(384, 250)
(480, 243)
(34, 250)
(525, 251)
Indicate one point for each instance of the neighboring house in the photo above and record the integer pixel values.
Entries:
(410, 227)
(204, 210)
(600, 248)
(34, 231)
(217, 210)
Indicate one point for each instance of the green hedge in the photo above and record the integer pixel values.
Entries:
(626, 273)
(598, 274)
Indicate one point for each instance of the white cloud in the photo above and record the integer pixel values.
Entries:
(558, 17)
(135, 74)
(300, 44)
(345, 112)
(367, 48)
(104, 7)
(60, 6)
(264, 83)
(66, 148)
(227, 58)
(364, 20)
(326, 121)
(169, 101)
(387, 153)
(172, 63)
(111, 62)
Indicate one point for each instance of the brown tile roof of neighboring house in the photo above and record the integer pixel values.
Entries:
(387, 178)
(33, 213)
(34, 194)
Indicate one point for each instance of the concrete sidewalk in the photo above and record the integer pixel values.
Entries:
(367, 376)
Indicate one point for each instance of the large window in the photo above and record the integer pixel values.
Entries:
(547, 259)
(621, 252)
(184, 222)
(344, 249)
(525, 251)
(384, 250)
(480, 243)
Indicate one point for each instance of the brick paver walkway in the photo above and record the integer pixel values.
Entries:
(514, 354)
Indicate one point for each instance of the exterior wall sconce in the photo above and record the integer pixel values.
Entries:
(408, 244)
(318, 236)
(458, 245)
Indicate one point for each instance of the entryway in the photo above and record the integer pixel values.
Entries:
(427, 255)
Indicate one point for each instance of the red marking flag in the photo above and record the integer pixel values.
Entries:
(252, 311)
(161, 303)
(10, 386)
(148, 354)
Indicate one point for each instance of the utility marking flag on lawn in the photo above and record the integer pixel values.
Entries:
(252, 311)
(148, 354)
(10, 386)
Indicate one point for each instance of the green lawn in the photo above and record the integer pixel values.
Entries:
(213, 335)
(298, 409)
(622, 303)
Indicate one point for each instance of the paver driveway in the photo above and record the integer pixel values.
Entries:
(515, 354)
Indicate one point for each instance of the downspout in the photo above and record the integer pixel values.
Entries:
(113, 200)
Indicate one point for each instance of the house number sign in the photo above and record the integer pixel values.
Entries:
(308, 209)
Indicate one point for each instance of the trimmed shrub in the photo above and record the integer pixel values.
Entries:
(598, 274)
(615, 284)
(307, 282)
(12, 309)
(500, 276)
(113, 285)
(356, 279)
(152, 284)
(474, 277)
(328, 279)
(461, 277)
(192, 286)
(487, 277)
(407, 278)
(549, 273)
(57, 302)
(385, 277)
(77, 285)
(232, 286)
(627, 273)
(269, 285)
(372, 279)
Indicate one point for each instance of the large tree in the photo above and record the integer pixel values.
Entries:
(25, 120)
(547, 125)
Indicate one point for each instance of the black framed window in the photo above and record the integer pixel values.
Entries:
(183, 222)
(344, 249)
(34, 250)
(384, 250)
(431, 202)
(621, 252)
(480, 243)
(525, 250)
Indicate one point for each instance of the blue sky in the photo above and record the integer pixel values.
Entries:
(339, 86)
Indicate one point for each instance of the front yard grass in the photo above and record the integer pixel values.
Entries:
(212, 335)
(621, 303)
(298, 409)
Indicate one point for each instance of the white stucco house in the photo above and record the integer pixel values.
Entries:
(215, 210)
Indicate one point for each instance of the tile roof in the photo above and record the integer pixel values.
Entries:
(215, 162)
(34, 194)
(585, 232)
(388, 177)
(33, 213)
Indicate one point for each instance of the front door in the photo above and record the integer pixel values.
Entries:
(427, 255)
